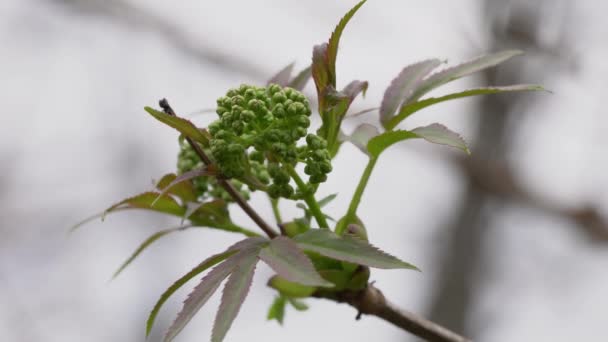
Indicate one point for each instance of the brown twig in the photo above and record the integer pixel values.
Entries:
(164, 104)
(371, 301)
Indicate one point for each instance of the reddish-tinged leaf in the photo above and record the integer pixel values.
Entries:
(183, 190)
(413, 107)
(299, 82)
(439, 134)
(150, 240)
(348, 248)
(285, 258)
(403, 86)
(233, 296)
(320, 72)
(362, 135)
(165, 204)
(184, 126)
(461, 70)
(282, 77)
(209, 262)
(209, 284)
(334, 42)
(354, 88)
(186, 176)
(214, 211)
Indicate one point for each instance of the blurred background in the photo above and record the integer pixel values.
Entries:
(512, 241)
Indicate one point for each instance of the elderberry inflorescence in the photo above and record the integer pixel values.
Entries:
(256, 136)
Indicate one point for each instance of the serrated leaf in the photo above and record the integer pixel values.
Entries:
(334, 42)
(207, 263)
(320, 73)
(183, 190)
(289, 262)
(165, 204)
(209, 284)
(413, 107)
(150, 240)
(439, 134)
(379, 143)
(233, 296)
(299, 82)
(346, 248)
(277, 309)
(184, 126)
(354, 88)
(464, 69)
(435, 133)
(214, 211)
(186, 176)
(93, 217)
(403, 86)
(282, 77)
(362, 135)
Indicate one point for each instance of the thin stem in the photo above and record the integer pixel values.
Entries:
(309, 198)
(275, 209)
(224, 183)
(371, 301)
(354, 203)
(238, 229)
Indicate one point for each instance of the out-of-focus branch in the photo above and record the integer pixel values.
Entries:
(141, 18)
(498, 179)
(371, 301)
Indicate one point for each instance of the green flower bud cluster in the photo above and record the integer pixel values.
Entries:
(204, 186)
(257, 135)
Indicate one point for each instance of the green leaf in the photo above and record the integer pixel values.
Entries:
(183, 190)
(403, 86)
(209, 262)
(347, 248)
(277, 309)
(439, 134)
(209, 284)
(334, 41)
(298, 304)
(184, 126)
(361, 136)
(150, 240)
(186, 176)
(282, 77)
(289, 288)
(215, 211)
(467, 68)
(285, 258)
(325, 200)
(435, 133)
(378, 144)
(165, 204)
(235, 292)
(413, 107)
(299, 82)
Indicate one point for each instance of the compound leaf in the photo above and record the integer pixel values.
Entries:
(285, 258)
(413, 107)
(234, 294)
(347, 248)
(403, 86)
(464, 69)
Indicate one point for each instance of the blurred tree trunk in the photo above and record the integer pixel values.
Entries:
(512, 24)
